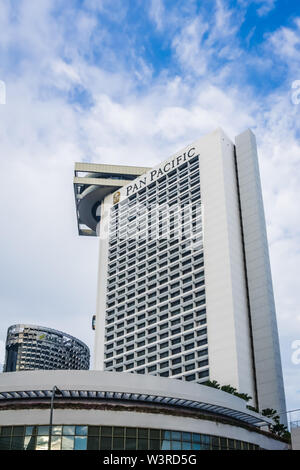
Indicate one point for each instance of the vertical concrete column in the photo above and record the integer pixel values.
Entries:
(228, 328)
(269, 380)
(102, 283)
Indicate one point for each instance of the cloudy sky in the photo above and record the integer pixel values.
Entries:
(131, 82)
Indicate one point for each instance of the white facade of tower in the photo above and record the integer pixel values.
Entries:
(268, 370)
(192, 312)
(229, 341)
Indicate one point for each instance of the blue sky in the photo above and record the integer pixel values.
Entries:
(132, 82)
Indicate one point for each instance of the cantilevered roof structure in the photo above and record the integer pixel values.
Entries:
(92, 183)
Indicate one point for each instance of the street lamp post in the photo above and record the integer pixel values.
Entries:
(54, 391)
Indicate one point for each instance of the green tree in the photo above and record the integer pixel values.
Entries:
(278, 428)
(229, 389)
(212, 383)
(244, 396)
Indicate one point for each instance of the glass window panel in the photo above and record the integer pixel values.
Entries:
(186, 445)
(94, 430)
(57, 430)
(6, 431)
(166, 445)
(106, 431)
(80, 443)
(105, 443)
(155, 433)
(67, 443)
(93, 443)
(176, 445)
(238, 444)
(186, 436)
(55, 442)
(176, 435)
(196, 437)
(130, 432)
(69, 430)
(143, 433)
(81, 430)
(165, 435)
(4, 443)
(142, 444)
(223, 443)
(29, 443)
(231, 443)
(17, 443)
(119, 432)
(43, 430)
(130, 443)
(196, 446)
(29, 430)
(18, 431)
(205, 439)
(215, 442)
(42, 442)
(118, 443)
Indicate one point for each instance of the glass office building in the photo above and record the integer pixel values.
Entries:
(30, 347)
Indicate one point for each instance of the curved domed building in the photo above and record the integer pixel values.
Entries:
(31, 347)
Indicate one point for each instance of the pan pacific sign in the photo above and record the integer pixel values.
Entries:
(156, 173)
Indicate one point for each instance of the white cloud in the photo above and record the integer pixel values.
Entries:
(285, 43)
(157, 13)
(265, 6)
(202, 41)
(188, 45)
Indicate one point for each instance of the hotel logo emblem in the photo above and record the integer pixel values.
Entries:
(116, 198)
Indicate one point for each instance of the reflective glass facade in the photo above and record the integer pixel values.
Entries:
(31, 347)
(82, 437)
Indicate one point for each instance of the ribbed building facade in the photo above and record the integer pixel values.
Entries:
(155, 309)
(30, 347)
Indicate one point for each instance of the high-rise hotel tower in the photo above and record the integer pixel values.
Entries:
(185, 288)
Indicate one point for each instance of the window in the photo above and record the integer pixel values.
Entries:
(202, 374)
(176, 361)
(203, 363)
(176, 350)
(176, 341)
(164, 354)
(191, 377)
